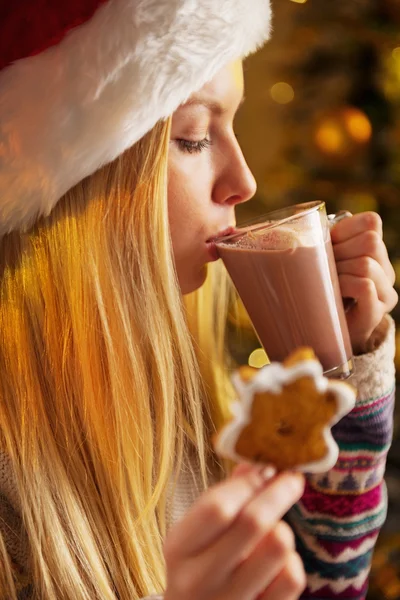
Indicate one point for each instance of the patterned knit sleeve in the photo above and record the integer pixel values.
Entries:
(337, 521)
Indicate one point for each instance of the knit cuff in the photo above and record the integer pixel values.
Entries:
(374, 372)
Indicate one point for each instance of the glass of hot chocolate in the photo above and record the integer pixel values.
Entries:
(284, 270)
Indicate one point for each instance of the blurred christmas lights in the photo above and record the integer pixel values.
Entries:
(282, 93)
(258, 358)
(357, 202)
(329, 137)
(396, 54)
(357, 125)
(341, 131)
(391, 82)
(396, 267)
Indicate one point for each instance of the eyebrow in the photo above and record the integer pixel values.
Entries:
(211, 105)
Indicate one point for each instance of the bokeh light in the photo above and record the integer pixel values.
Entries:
(357, 202)
(391, 81)
(396, 267)
(258, 358)
(342, 131)
(357, 124)
(282, 93)
(396, 54)
(329, 137)
(397, 358)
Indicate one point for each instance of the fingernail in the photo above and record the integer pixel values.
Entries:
(297, 483)
(267, 472)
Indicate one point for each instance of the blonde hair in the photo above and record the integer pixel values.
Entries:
(106, 380)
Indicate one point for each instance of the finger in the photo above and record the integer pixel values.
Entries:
(368, 311)
(222, 562)
(366, 244)
(211, 567)
(353, 226)
(245, 467)
(290, 583)
(202, 575)
(260, 569)
(367, 267)
(217, 508)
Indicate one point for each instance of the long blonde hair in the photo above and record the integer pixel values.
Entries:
(107, 381)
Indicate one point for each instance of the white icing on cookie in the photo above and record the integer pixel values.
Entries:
(272, 378)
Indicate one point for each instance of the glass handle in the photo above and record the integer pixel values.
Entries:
(339, 216)
(348, 303)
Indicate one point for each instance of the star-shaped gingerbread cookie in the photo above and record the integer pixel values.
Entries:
(284, 415)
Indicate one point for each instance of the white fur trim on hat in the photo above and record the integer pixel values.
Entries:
(77, 105)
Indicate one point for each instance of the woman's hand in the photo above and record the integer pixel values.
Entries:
(233, 545)
(365, 274)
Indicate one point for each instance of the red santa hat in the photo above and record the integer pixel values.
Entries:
(81, 81)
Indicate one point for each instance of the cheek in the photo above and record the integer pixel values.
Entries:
(187, 211)
(186, 205)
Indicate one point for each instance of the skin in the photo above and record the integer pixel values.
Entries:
(365, 273)
(205, 183)
(246, 551)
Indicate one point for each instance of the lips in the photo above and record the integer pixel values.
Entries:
(211, 245)
(227, 231)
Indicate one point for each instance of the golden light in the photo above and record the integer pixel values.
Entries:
(396, 267)
(299, 1)
(391, 79)
(282, 93)
(258, 358)
(397, 357)
(358, 125)
(329, 137)
(239, 317)
(396, 54)
(359, 202)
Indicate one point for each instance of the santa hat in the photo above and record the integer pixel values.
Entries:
(81, 81)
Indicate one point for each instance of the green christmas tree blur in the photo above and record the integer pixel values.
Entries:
(322, 122)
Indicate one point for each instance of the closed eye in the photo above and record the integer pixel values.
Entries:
(192, 146)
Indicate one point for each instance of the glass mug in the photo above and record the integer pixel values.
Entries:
(284, 270)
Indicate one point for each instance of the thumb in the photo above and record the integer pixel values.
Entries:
(245, 467)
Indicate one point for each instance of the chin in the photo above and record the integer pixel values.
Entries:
(193, 282)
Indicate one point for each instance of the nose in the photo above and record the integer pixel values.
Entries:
(236, 183)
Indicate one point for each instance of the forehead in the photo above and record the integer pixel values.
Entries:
(223, 93)
(229, 80)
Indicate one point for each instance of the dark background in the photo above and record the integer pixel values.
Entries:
(322, 122)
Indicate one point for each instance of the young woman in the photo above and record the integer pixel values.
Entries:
(118, 165)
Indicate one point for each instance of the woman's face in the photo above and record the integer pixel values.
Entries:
(207, 175)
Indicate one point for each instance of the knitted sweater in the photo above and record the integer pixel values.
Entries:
(337, 521)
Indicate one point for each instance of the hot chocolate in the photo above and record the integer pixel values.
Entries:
(290, 288)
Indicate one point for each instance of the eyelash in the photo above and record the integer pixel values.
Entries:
(191, 146)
